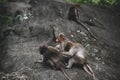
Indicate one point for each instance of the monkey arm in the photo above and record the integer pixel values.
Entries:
(58, 48)
(69, 54)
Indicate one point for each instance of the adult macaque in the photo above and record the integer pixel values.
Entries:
(54, 58)
(74, 14)
(76, 51)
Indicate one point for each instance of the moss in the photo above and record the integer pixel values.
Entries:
(5, 20)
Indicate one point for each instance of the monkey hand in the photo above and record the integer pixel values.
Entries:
(68, 67)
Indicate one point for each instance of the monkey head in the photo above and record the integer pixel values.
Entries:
(43, 49)
(60, 38)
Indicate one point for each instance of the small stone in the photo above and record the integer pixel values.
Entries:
(25, 16)
(97, 67)
(78, 31)
(97, 58)
(88, 45)
(29, 14)
(72, 35)
(94, 18)
(86, 38)
(103, 62)
(82, 33)
(90, 20)
(95, 50)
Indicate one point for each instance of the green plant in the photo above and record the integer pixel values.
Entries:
(98, 2)
(5, 20)
(3, 0)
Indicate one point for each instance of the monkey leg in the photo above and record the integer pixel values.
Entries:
(51, 64)
(70, 63)
(89, 70)
(65, 73)
(93, 74)
(69, 54)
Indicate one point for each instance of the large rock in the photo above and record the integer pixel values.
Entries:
(23, 38)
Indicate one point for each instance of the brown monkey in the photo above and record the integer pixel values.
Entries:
(76, 51)
(54, 58)
(73, 14)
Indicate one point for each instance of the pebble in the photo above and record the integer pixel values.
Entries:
(78, 31)
(88, 45)
(95, 50)
(97, 58)
(103, 62)
(82, 33)
(72, 35)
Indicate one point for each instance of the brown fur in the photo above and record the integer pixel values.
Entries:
(74, 12)
(54, 58)
(74, 15)
(76, 51)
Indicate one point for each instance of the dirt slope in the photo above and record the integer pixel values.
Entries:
(32, 26)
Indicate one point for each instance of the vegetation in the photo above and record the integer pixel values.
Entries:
(5, 20)
(3, 0)
(98, 2)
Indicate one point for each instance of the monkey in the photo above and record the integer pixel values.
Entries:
(77, 53)
(54, 58)
(74, 12)
(62, 40)
(73, 15)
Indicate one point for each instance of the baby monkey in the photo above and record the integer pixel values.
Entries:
(76, 51)
(54, 58)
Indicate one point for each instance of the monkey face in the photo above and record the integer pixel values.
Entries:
(60, 38)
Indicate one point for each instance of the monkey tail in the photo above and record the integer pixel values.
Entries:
(79, 22)
(65, 73)
(89, 70)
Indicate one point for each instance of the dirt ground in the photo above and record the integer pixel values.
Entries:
(32, 27)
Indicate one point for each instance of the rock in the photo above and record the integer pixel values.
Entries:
(19, 49)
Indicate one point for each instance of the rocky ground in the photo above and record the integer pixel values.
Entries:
(32, 25)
